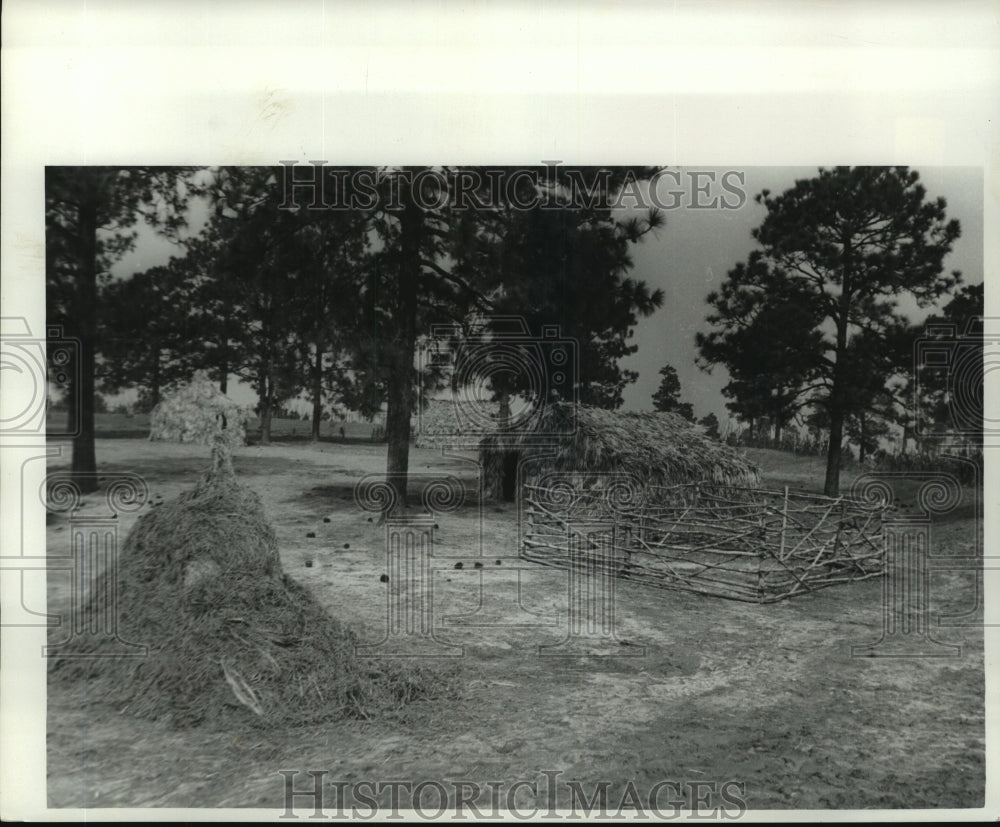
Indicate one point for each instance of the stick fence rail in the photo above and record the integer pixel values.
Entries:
(746, 544)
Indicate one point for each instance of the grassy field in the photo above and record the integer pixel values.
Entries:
(693, 689)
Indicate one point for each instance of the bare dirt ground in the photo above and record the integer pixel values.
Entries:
(695, 689)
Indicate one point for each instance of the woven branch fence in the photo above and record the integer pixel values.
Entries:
(745, 544)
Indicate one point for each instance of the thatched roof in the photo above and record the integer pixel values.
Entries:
(439, 424)
(658, 448)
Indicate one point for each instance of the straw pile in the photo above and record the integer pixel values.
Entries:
(230, 636)
(199, 412)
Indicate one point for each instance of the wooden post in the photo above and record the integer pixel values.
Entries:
(761, 553)
(840, 530)
(784, 525)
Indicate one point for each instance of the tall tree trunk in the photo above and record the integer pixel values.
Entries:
(317, 393)
(400, 390)
(265, 424)
(834, 452)
(508, 466)
(864, 438)
(72, 394)
(264, 394)
(154, 395)
(319, 322)
(84, 462)
(503, 414)
(224, 366)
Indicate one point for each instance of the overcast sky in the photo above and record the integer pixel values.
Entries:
(691, 255)
(696, 249)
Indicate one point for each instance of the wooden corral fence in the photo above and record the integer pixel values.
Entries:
(746, 544)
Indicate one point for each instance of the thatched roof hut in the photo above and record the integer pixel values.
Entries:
(199, 412)
(661, 449)
(437, 424)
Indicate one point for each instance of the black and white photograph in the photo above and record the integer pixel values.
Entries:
(453, 412)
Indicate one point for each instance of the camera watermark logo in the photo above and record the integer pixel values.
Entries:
(23, 572)
(93, 539)
(906, 589)
(514, 399)
(504, 381)
(584, 522)
(29, 369)
(976, 562)
(952, 368)
(512, 393)
(92, 564)
(501, 595)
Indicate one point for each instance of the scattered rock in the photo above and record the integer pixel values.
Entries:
(458, 565)
(309, 564)
(384, 578)
(310, 534)
(477, 565)
(499, 563)
(326, 519)
(347, 545)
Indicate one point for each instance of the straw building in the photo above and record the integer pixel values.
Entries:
(659, 449)
(199, 412)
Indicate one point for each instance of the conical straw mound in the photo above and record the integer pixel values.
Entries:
(228, 633)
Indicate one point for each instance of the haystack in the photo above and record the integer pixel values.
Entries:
(199, 412)
(659, 449)
(230, 636)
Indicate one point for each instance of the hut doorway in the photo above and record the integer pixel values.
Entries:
(508, 476)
